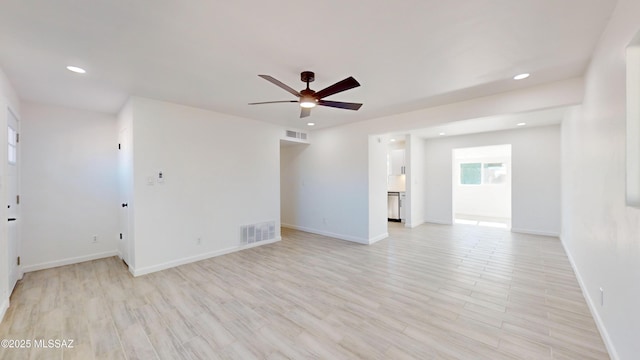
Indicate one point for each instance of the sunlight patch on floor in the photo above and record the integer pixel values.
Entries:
(494, 223)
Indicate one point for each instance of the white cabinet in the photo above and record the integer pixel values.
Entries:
(403, 206)
(396, 162)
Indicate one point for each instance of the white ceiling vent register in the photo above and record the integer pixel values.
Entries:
(296, 135)
(254, 233)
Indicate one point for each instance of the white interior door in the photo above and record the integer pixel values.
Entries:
(124, 180)
(13, 228)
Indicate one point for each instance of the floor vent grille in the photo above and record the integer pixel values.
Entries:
(254, 233)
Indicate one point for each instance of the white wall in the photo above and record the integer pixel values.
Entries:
(482, 200)
(415, 181)
(378, 149)
(220, 172)
(438, 185)
(68, 191)
(535, 176)
(600, 233)
(334, 178)
(8, 100)
(331, 192)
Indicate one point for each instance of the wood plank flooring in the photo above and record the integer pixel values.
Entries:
(433, 292)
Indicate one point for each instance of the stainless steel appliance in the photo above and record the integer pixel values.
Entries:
(393, 206)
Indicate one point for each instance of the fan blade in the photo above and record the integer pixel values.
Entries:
(304, 112)
(273, 102)
(280, 84)
(340, 104)
(346, 84)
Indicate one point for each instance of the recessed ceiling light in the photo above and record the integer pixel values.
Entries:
(76, 69)
(442, 134)
(521, 76)
(392, 140)
(522, 124)
(311, 124)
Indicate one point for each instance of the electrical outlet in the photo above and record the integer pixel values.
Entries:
(324, 221)
(199, 241)
(95, 238)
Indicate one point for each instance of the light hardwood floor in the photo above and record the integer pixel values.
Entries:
(433, 292)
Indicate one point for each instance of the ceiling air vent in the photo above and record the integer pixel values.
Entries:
(296, 135)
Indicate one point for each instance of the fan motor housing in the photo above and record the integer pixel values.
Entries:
(307, 76)
(307, 92)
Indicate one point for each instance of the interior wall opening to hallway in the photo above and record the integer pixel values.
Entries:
(482, 186)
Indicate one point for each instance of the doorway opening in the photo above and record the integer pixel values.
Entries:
(396, 179)
(290, 184)
(482, 186)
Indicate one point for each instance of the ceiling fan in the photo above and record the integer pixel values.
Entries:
(309, 98)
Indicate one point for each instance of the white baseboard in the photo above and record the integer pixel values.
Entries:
(355, 239)
(4, 307)
(413, 225)
(68, 261)
(191, 259)
(535, 232)
(375, 239)
(596, 316)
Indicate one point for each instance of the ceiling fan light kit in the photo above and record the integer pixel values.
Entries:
(308, 98)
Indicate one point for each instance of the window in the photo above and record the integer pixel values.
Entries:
(12, 142)
(482, 173)
(494, 173)
(470, 173)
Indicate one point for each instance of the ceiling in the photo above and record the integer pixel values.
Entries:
(494, 123)
(407, 54)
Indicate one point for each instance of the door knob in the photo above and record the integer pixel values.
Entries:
(125, 204)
